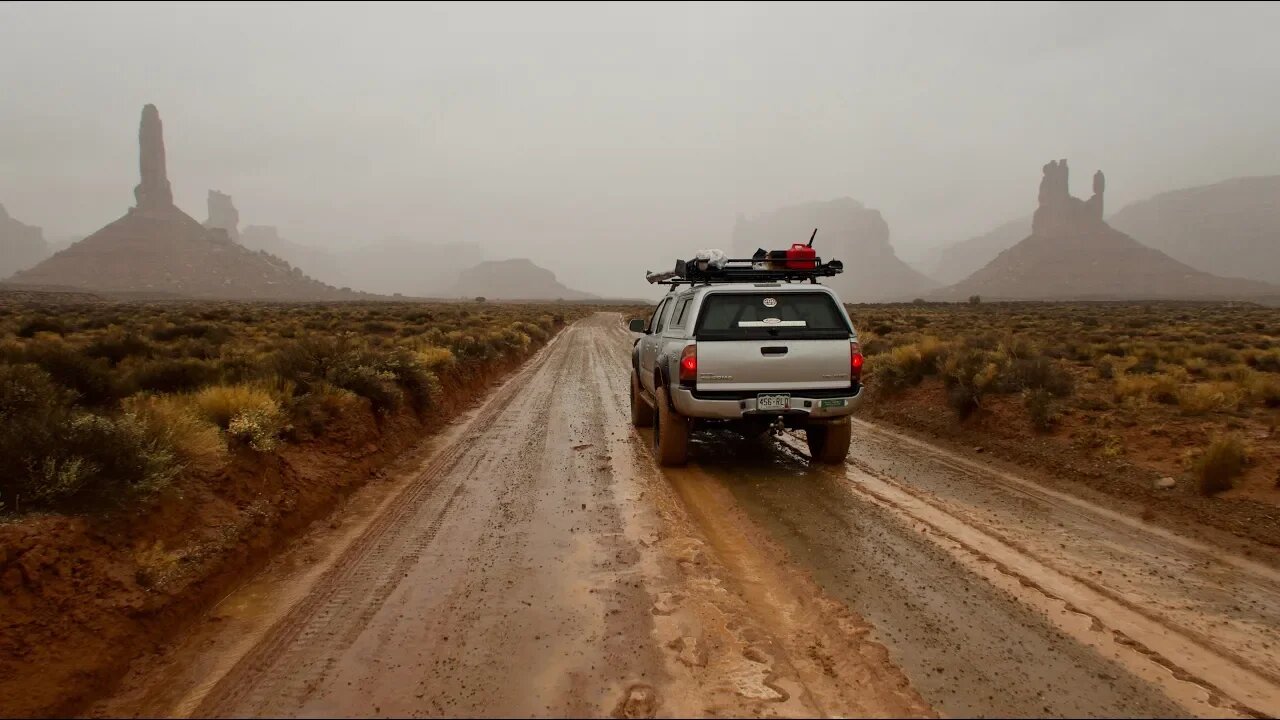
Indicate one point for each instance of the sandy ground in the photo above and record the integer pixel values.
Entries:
(532, 560)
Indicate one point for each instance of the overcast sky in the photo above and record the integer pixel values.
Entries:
(602, 139)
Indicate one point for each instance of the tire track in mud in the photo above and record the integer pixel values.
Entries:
(747, 635)
(1202, 677)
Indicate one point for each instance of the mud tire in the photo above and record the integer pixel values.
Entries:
(829, 442)
(670, 433)
(641, 411)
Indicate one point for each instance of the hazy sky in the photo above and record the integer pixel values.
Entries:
(603, 139)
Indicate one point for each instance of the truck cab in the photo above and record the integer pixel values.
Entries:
(752, 351)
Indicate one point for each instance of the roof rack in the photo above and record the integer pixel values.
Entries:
(736, 270)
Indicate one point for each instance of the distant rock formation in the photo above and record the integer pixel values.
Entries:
(1059, 214)
(517, 279)
(1072, 253)
(157, 249)
(153, 193)
(1229, 228)
(21, 245)
(223, 215)
(847, 231)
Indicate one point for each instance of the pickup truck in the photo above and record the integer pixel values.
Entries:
(748, 356)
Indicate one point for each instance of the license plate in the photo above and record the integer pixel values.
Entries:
(838, 402)
(773, 402)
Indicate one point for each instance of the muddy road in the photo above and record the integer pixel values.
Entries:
(532, 560)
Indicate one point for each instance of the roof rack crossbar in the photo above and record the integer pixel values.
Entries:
(738, 270)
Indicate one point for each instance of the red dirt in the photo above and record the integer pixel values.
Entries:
(80, 597)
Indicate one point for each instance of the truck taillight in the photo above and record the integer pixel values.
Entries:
(855, 360)
(689, 365)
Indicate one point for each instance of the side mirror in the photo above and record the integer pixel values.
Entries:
(636, 326)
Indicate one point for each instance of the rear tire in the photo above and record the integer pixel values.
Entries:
(641, 411)
(670, 433)
(829, 442)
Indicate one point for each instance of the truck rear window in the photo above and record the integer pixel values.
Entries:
(765, 316)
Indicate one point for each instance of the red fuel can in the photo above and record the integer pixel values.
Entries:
(801, 257)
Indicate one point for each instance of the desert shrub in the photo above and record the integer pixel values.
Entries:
(1265, 361)
(377, 326)
(117, 346)
(307, 359)
(312, 411)
(1039, 404)
(968, 375)
(420, 385)
(1217, 353)
(1236, 373)
(897, 369)
(367, 381)
(1037, 372)
(1219, 465)
(173, 375)
(220, 404)
(1130, 387)
(1109, 367)
(438, 360)
(257, 426)
(874, 345)
(1203, 398)
(53, 456)
(214, 333)
(1265, 389)
(125, 457)
(90, 378)
(536, 332)
(1165, 388)
(173, 421)
(41, 323)
(1196, 366)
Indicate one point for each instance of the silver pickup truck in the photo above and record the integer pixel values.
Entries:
(750, 356)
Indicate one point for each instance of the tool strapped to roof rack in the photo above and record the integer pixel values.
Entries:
(800, 263)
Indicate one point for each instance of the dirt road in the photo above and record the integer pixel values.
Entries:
(533, 561)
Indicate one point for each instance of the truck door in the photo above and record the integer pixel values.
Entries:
(649, 345)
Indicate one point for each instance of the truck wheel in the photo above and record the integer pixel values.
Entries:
(670, 433)
(641, 412)
(829, 442)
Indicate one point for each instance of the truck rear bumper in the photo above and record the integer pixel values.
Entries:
(818, 408)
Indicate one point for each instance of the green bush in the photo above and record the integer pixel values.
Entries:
(90, 378)
(53, 456)
(968, 375)
(367, 381)
(1039, 404)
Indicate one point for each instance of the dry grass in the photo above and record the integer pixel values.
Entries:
(1122, 381)
(1220, 464)
(115, 401)
(197, 442)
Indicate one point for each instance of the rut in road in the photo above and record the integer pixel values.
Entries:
(540, 564)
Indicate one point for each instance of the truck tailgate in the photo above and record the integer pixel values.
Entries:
(767, 365)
